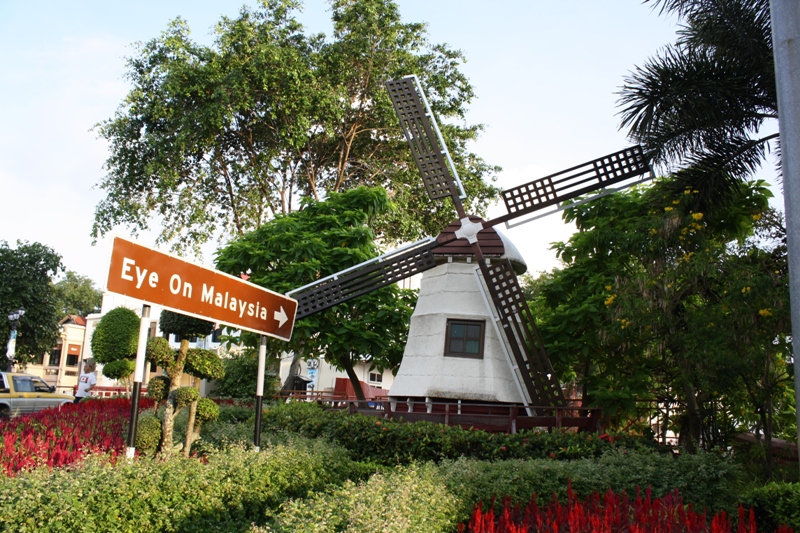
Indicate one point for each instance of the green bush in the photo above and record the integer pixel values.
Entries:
(204, 364)
(241, 374)
(184, 325)
(412, 498)
(706, 480)
(227, 492)
(775, 504)
(158, 388)
(159, 351)
(207, 411)
(119, 369)
(236, 412)
(391, 442)
(148, 433)
(185, 395)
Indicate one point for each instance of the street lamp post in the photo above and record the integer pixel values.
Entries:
(13, 317)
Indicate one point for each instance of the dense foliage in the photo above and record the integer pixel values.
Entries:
(225, 492)
(326, 237)
(776, 504)
(25, 281)
(219, 139)
(241, 376)
(77, 295)
(706, 480)
(397, 501)
(657, 303)
(390, 442)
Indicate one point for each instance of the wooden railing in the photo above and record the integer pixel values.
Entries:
(503, 418)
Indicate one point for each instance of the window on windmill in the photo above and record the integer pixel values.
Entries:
(464, 338)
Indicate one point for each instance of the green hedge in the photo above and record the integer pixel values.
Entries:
(405, 499)
(227, 493)
(705, 480)
(775, 504)
(392, 442)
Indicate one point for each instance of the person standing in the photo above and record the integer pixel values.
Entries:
(87, 381)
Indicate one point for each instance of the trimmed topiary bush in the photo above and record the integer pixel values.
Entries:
(207, 411)
(158, 388)
(116, 336)
(159, 352)
(203, 364)
(120, 369)
(148, 434)
(184, 325)
(185, 395)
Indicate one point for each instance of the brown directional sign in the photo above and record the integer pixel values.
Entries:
(191, 289)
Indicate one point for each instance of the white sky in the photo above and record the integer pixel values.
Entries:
(545, 75)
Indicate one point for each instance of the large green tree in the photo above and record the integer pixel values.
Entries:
(658, 302)
(26, 274)
(699, 106)
(77, 295)
(222, 138)
(323, 238)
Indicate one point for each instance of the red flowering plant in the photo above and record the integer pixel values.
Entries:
(611, 513)
(61, 436)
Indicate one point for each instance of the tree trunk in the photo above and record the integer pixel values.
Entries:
(288, 384)
(190, 433)
(768, 437)
(175, 373)
(692, 437)
(351, 373)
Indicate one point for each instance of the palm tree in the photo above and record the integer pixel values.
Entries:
(699, 105)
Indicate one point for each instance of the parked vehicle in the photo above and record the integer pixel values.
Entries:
(23, 393)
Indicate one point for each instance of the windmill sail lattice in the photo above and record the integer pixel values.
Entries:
(427, 146)
(521, 334)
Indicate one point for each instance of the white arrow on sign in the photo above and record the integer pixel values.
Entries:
(281, 317)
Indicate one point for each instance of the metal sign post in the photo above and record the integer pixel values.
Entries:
(785, 16)
(138, 377)
(262, 358)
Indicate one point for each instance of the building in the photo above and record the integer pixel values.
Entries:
(61, 367)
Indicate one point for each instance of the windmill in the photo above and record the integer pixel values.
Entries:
(520, 337)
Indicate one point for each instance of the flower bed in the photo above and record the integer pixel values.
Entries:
(61, 436)
(612, 513)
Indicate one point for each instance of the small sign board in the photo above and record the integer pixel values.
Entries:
(179, 285)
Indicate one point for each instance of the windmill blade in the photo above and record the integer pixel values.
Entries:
(573, 182)
(364, 278)
(523, 338)
(422, 133)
